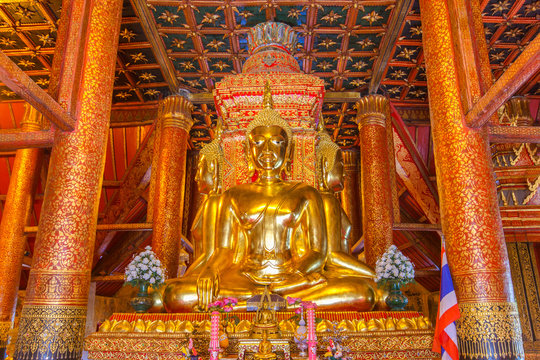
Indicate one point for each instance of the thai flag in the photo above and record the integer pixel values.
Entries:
(445, 341)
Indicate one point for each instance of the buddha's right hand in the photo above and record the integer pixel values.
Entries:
(298, 281)
(207, 287)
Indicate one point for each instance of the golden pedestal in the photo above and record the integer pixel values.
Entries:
(370, 335)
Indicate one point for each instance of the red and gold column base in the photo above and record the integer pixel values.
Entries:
(59, 334)
(489, 330)
(5, 326)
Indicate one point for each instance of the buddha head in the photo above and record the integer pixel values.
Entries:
(268, 140)
(329, 163)
(209, 168)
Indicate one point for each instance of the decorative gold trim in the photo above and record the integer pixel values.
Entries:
(176, 112)
(410, 344)
(351, 159)
(51, 332)
(5, 327)
(519, 290)
(372, 110)
(529, 273)
(32, 118)
(489, 330)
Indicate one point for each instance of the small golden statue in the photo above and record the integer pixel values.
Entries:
(265, 349)
(265, 321)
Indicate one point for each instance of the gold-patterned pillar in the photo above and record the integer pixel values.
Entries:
(350, 196)
(377, 213)
(16, 212)
(52, 323)
(170, 180)
(489, 327)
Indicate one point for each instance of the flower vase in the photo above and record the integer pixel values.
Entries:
(395, 299)
(301, 335)
(142, 302)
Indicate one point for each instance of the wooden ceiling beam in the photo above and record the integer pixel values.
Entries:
(388, 43)
(119, 252)
(14, 140)
(30, 230)
(425, 272)
(514, 134)
(517, 74)
(158, 48)
(25, 87)
(416, 227)
(108, 278)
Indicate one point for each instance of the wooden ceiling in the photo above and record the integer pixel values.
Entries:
(355, 45)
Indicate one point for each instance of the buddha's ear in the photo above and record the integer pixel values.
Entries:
(251, 167)
(288, 164)
(214, 170)
(324, 172)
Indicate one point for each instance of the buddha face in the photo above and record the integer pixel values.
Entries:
(333, 178)
(206, 176)
(268, 147)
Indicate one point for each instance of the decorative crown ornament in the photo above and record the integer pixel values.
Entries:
(268, 116)
(272, 34)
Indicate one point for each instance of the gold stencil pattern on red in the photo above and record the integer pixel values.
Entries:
(471, 221)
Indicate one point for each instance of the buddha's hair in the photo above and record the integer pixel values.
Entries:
(268, 117)
(326, 150)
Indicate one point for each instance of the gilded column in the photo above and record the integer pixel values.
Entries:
(52, 323)
(489, 327)
(377, 213)
(17, 209)
(350, 196)
(170, 180)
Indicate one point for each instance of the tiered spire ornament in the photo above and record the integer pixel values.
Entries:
(271, 46)
(272, 34)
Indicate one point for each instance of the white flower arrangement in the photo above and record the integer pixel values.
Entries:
(145, 268)
(393, 265)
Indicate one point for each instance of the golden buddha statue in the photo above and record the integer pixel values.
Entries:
(270, 233)
(265, 321)
(208, 178)
(339, 262)
(265, 349)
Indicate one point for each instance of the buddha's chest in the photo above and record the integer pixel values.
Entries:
(270, 212)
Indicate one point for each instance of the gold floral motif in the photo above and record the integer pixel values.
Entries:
(50, 331)
(5, 327)
(517, 281)
(176, 112)
(490, 330)
(411, 344)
